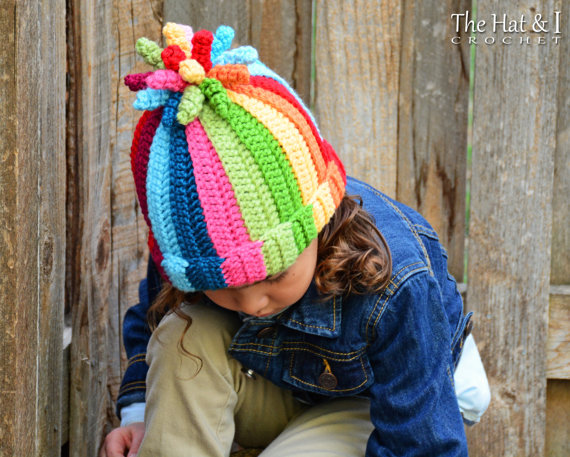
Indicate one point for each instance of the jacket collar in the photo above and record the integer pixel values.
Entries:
(313, 316)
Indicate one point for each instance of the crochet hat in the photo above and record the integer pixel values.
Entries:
(232, 175)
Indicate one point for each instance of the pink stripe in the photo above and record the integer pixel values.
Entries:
(243, 258)
(166, 79)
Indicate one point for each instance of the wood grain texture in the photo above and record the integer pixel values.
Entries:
(432, 121)
(357, 73)
(558, 345)
(210, 15)
(129, 251)
(558, 418)
(89, 350)
(104, 207)
(560, 267)
(279, 29)
(303, 50)
(515, 104)
(32, 226)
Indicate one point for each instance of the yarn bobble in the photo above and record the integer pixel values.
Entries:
(230, 75)
(190, 105)
(137, 81)
(222, 41)
(150, 52)
(172, 56)
(217, 95)
(179, 35)
(202, 47)
(191, 71)
(244, 55)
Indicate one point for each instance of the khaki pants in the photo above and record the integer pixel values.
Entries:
(198, 409)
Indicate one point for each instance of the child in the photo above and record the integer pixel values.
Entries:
(302, 320)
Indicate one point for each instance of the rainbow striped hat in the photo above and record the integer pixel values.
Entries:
(232, 175)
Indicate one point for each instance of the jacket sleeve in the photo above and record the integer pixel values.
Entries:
(136, 335)
(413, 405)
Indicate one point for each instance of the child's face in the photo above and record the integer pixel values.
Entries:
(274, 294)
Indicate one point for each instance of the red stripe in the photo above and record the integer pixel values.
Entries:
(140, 164)
(326, 149)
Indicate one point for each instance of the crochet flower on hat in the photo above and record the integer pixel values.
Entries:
(232, 175)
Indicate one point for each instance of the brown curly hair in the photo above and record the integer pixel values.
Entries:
(353, 258)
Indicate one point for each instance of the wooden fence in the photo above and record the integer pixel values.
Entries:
(391, 93)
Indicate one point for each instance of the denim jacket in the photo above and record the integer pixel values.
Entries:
(399, 347)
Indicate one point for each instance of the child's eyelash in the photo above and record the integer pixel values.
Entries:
(277, 278)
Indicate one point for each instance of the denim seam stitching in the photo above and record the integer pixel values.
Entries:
(269, 358)
(403, 216)
(359, 355)
(391, 281)
(318, 326)
(397, 285)
(256, 351)
(257, 344)
(409, 273)
(423, 230)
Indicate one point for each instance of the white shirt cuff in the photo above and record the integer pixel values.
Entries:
(471, 385)
(132, 413)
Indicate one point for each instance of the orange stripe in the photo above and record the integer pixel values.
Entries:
(298, 120)
(336, 182)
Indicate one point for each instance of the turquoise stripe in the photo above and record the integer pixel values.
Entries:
(222, 41)
(243, 55)
(158, 199)
(150, 99)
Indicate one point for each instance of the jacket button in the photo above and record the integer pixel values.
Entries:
(248, 372)
(266, 332)
(328, 380)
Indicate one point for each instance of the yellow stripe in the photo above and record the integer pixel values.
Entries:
(323, 205)
(175, 34)
(289, 138)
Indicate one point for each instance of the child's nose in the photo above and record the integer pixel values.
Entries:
(252, 303)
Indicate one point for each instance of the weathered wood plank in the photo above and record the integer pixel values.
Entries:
(432, 120)
(210, 15)
(89, 350)
(303, 50)
(273, 28)
(32, 226)
(510, 231)
(129, 231)
(560, 267)
(558, 418)
(281, 32)
(279, 29)
(102, 39)
(357, 73)
(558, 345)
(558, 392)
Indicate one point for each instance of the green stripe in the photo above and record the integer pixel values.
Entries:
(252, 193)
(279, 249)
(264, 147)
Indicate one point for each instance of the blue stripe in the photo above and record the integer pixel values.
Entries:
(157, 191)
(188, 217)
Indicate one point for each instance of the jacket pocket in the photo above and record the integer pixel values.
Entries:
(328, 373)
